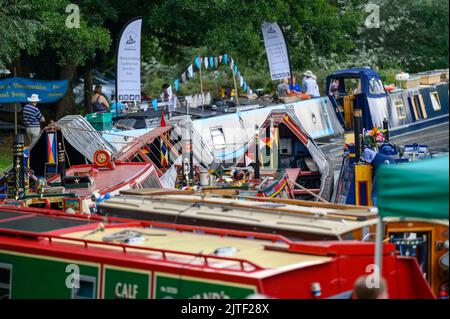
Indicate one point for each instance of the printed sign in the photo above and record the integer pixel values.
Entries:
(17, 90)
(129, 62)
(276, 50)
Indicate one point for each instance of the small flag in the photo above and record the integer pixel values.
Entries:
(216, 62)
(206, 62)
(211, 61)
(175, 85)
(220, 58)
(155, 104)
(198, 62)
(225, 59)
(245, 86)
(191, 71)
(169, 91)
(236, 70)
(183, 77)
(232, 64)
(241, 81)
(51, 148)
(250, 91)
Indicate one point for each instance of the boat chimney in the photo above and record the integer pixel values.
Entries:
(61, 163)
(257, 175)
(386, 129)
(19, 185)
(357, 119)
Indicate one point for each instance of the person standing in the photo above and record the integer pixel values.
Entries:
(32, 118)
(310, 85)
(283, 88)
(294, 87)
(98, 101)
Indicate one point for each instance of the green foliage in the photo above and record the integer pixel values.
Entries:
(17, 30)
(71, 44)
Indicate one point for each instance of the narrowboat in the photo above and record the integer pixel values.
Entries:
(406, 110)
(297, 220)
(45, 254)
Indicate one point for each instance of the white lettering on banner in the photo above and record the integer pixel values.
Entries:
(277, 54)
(129, 63)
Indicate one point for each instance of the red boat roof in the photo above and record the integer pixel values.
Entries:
(181, 245)
(106, 180)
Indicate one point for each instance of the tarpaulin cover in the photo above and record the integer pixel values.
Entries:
(418, 189)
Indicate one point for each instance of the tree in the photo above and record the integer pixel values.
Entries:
(17, 30)
(73, 45)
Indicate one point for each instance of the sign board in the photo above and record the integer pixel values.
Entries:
(17, 90)
(184, 287)
(129, 62)
(276, 50)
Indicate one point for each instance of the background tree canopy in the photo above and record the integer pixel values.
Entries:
(322, 35)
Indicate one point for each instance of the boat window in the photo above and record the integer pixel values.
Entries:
(86, 289)
(5, 281)
(218, 138)
(376, 86)
(435, 101)
(400, 108)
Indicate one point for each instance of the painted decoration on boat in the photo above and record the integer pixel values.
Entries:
(184, 287)
(50, 277)
(126, 283)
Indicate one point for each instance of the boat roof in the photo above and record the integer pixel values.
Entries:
(177, 244)
(105, 180)
(355, 72)
(327, 221)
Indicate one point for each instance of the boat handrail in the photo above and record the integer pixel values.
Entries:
(125, 247)
(124, 222)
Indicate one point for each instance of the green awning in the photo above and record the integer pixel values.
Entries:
(418, 189)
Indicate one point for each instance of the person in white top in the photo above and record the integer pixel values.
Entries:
(310, 85)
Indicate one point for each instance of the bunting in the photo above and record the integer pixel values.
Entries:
(191, 71)
(155, 104)
(208, 62)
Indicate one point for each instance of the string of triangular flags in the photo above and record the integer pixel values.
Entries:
(207, 62)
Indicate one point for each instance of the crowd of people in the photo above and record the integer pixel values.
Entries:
(309, 86)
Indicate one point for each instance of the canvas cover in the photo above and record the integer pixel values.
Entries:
(418, 189)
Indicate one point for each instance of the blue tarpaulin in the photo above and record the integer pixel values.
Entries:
(16, 90)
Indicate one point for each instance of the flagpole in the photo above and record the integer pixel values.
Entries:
(15, 110)
(235, 86)
(201, 85)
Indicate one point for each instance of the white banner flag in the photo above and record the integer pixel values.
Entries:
(276, 50)
(129, 62)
